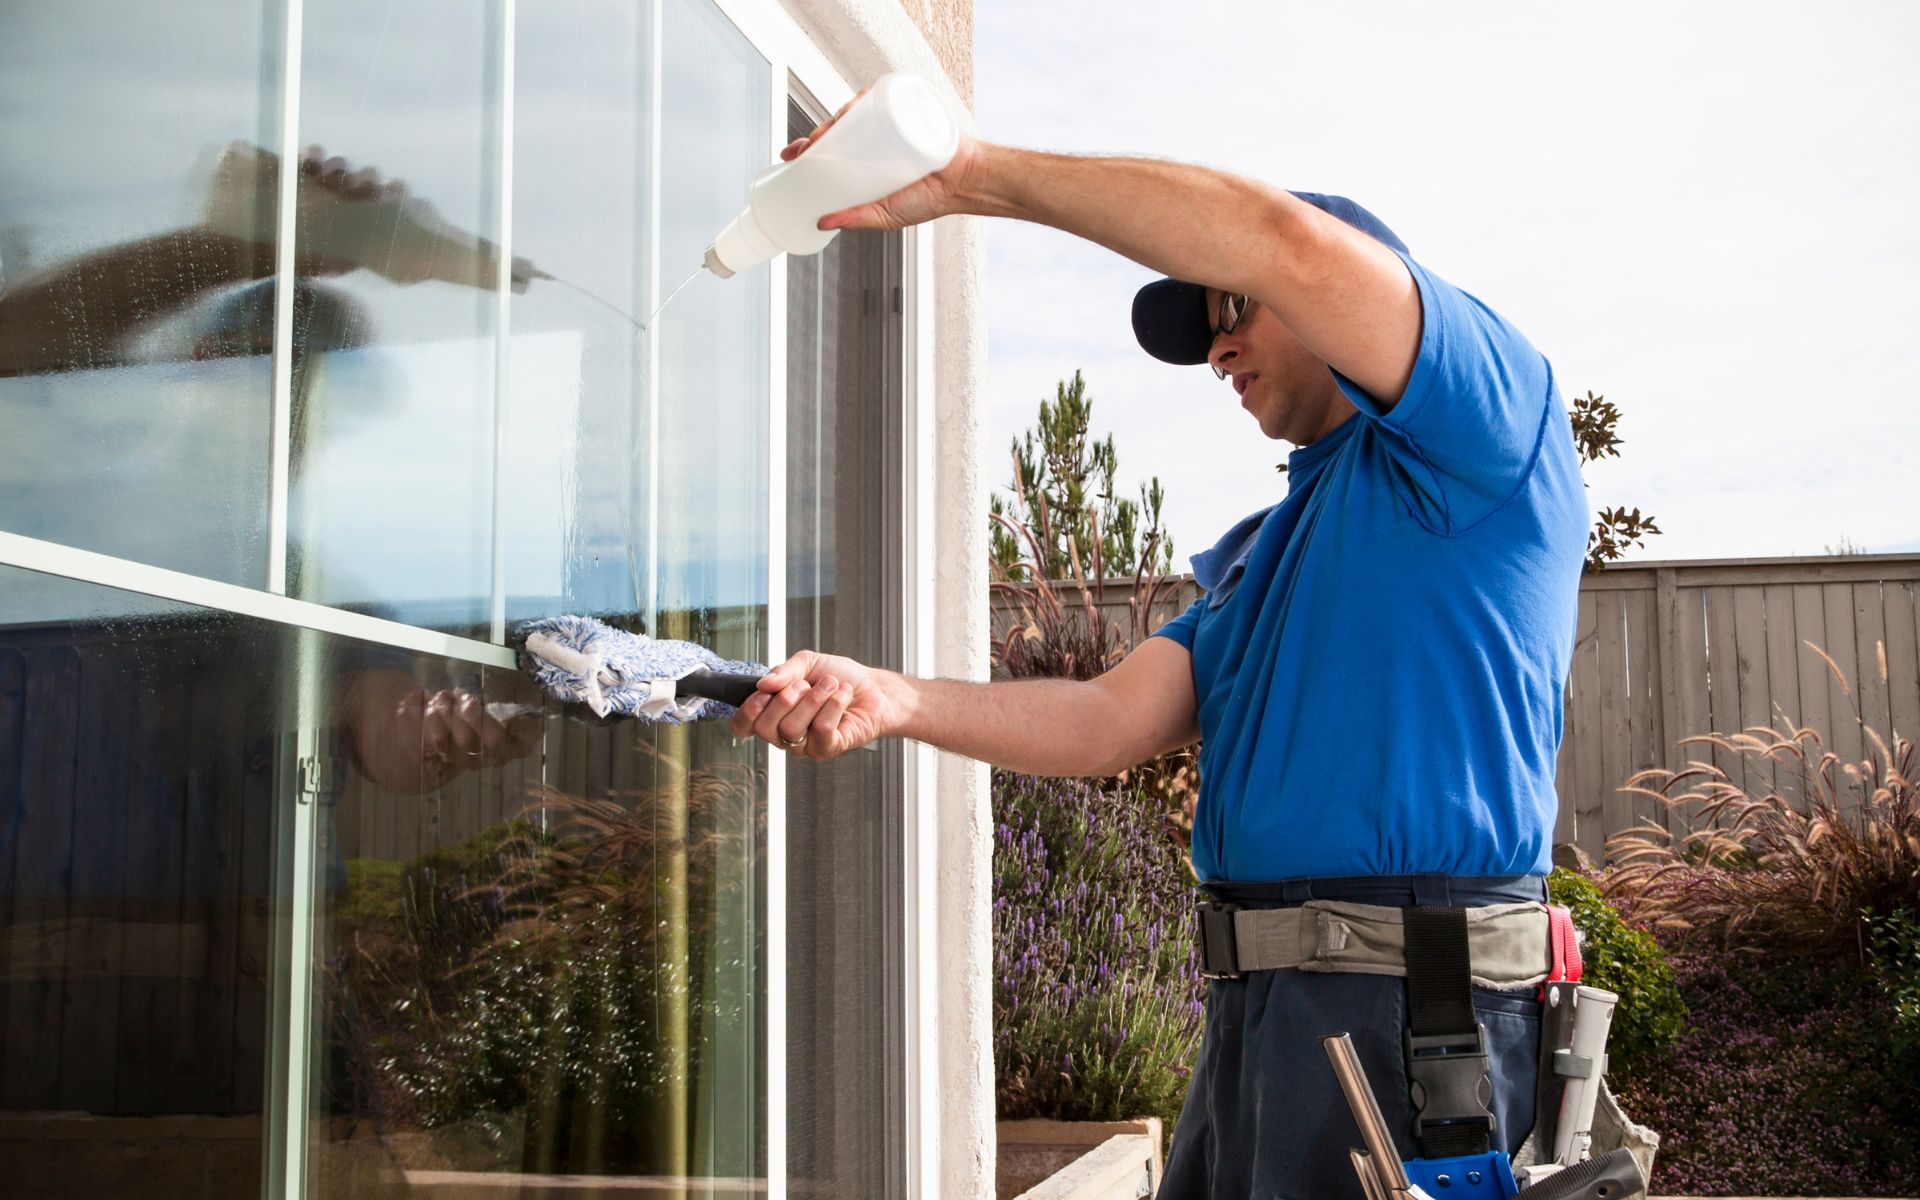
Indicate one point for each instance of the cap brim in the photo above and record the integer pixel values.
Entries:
(1170, 322)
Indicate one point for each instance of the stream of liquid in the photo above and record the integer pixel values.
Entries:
(622, 313)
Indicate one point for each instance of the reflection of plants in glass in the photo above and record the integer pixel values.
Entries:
(566, 965)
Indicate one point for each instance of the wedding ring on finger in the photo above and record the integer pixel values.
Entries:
(793, 743)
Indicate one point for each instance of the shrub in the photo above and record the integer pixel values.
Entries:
(1789, 919)
(1097, 1000)
(1781, 1084)
(1893, 958)
(1629, 962)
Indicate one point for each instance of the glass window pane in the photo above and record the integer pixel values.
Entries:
(592, 1004)
(846, 985)
(146, 753)
(391, 495)
(137, 191)
(538, 959)
(579, 410)
(535, 952)
(710, 530)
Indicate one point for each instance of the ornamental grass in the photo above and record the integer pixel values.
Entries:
(1791, 871)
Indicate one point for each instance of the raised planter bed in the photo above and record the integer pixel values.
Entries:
(1030, 1153)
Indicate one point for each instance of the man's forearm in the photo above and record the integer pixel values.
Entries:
(1034, 726)
(75, 314)
(1187, 221)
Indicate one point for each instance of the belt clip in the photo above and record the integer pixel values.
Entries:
(1450, 1083)
(1219, 951)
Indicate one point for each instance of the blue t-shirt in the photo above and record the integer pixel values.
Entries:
(1379, 659)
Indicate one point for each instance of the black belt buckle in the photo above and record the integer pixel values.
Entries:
(1219, 952)
(1450, 1083)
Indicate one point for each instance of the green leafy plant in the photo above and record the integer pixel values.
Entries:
(1893, 958)
(1063, 494)
(1627, 961)
(1615, 530)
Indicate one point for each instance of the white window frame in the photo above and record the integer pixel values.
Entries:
(795, 63)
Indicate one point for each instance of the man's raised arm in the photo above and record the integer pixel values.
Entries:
(1346, 297)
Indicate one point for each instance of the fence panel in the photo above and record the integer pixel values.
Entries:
(1731, 645)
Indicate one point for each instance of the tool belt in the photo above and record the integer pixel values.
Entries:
(1508, 945)
(1441, 951)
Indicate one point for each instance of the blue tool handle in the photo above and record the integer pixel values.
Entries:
(1486, 1176)
(713, 685)
(1609, 1177)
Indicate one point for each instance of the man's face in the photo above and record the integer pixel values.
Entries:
(1289, 391)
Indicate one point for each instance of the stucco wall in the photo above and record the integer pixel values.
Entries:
(948, 27)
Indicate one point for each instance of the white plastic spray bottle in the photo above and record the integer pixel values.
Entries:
(901, 131)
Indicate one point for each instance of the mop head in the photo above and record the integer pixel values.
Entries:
(616, 673)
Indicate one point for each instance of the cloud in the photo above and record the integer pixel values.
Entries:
(1700, 212)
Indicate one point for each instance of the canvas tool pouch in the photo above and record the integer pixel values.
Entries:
(1612, 1130)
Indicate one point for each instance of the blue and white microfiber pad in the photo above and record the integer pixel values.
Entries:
(616, 673)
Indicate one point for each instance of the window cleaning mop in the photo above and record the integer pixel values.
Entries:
(900, 132)
(615, 673)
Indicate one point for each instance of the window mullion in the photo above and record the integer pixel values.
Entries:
(775, 1124)
(497, 625)
(281, 447)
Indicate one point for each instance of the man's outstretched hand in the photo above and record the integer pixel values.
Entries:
(818, 706)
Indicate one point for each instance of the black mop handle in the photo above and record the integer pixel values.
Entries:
(713, 685)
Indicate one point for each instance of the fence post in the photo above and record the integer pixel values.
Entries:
(1666, 641)
(1666, 636)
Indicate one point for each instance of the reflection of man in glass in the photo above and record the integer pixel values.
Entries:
(94, 311)
(86, 312)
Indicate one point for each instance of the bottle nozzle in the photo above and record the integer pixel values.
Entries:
(713, 263)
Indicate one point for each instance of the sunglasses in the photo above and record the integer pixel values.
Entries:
(1232, 309)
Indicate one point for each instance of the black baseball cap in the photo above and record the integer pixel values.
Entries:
(1170, 317)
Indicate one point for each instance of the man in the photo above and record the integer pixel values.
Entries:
(1376, 666)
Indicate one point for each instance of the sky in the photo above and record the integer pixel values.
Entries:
(1703, 212)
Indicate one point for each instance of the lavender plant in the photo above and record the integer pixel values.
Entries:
(1097, 991)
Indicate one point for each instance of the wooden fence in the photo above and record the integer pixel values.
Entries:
(1668, 650)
